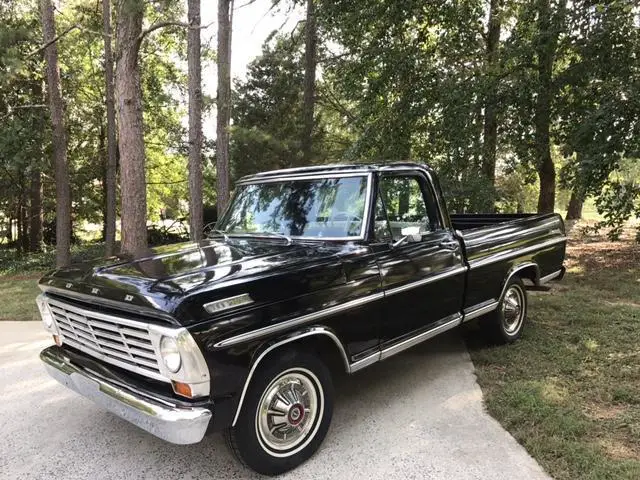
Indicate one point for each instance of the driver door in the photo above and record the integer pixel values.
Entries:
(423, 280)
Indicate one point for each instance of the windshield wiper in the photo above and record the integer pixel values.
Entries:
(227, 235)
(214, 231)
(274, 234)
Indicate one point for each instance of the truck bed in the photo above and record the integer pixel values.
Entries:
(467, 221)
(495, 244)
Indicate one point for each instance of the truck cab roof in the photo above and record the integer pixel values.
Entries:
(334, 169)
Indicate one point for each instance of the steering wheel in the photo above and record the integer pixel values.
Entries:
(346, 216)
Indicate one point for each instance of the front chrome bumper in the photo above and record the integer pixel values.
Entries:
(173, 423)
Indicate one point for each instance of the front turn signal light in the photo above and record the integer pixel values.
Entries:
(183, 389)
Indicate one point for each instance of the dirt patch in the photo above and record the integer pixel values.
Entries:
(596, 252)
(603, 255)
(619, 450)
(603, 412)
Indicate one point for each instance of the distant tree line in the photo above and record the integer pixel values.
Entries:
(517, 103)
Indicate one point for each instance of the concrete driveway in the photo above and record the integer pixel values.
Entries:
(418, 415)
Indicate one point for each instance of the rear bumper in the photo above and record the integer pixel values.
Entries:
(173, 423)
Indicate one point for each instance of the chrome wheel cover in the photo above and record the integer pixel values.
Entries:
(513, 309)
(289, 412)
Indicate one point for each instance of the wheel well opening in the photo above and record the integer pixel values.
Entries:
(528, 274)
(321, 345)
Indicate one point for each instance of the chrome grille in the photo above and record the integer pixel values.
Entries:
(119, 341)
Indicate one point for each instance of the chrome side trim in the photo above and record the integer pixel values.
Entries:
(450, 322)
(365, 362)
(264, 331)
(313, 331)
(228, 303)
(424, 281)
(479, 310)
(548, 278)
(173, 423)
(515, 253)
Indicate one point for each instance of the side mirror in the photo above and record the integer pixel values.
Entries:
(409, 235)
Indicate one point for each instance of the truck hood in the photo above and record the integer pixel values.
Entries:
(163, 281)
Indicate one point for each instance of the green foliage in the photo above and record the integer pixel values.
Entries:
(267, 113)
(617, 203)
(396, 81)
(24, 131)
(24, 135)
(36, 263)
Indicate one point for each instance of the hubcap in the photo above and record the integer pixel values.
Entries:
(512, 309)
(288, 410)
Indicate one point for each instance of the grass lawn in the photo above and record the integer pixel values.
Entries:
(18, 298)
(19, 277)
(569, 390)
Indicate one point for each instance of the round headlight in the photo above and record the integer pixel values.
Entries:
(170, 354)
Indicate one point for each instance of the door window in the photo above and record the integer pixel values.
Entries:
(381, 228)
(405, 204)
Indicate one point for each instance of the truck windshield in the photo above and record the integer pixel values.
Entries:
(330, 208)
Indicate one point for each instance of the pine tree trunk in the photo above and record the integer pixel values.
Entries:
(59, 139)
(35, 212)
(225, 9)
(130, 127)
(490, 130)
(195, 120)
(24, 237)
(310, 61)
(10, 229)
(574, 210)
(19, 228)
(111, 161)
(545, 49)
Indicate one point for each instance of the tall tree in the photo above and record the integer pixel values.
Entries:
(111, 160)
(35, 211)
(310, 61)
(546, 44)
(130, 126)
(63, 195)
(490, 134)
(195, 120)
(223, 102)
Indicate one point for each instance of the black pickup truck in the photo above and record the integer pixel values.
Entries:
(307, 269)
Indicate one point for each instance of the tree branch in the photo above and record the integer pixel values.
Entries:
(159, 25)
(67, 31)
(167, 183)
(51, 42)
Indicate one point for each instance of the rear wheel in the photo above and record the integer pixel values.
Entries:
(507, 322)
(285, 414)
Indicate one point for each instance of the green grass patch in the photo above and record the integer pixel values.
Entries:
(12, 264)
(569, 390)
(19, 278)
(18, 299)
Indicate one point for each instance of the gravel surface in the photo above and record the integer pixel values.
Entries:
(418, 415)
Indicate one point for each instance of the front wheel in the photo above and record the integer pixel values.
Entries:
(285, 415)
(507, 322)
